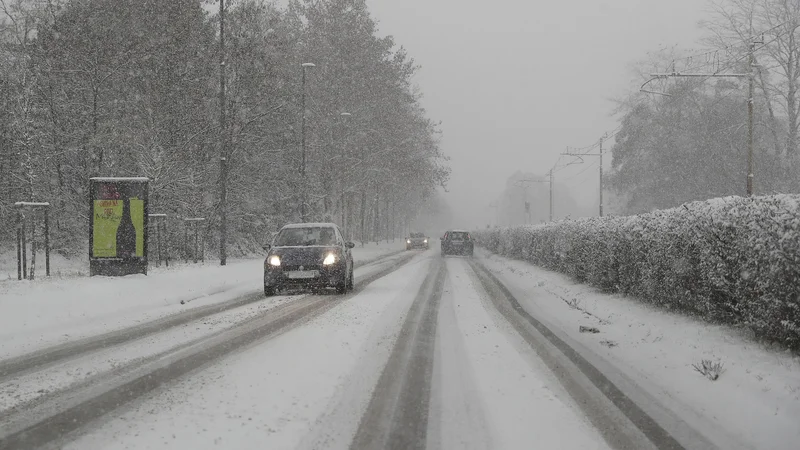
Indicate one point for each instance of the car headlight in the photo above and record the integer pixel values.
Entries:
(408, 241)
(330, 258)
(425, 241)
(275, 260)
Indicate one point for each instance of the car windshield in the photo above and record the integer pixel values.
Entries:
(417, 235)
(305, 236)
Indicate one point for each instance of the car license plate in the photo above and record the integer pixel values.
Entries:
(299, 274)
(456, 243)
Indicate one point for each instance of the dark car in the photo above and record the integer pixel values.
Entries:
(417, 240)
(309, 255)
(457, 242)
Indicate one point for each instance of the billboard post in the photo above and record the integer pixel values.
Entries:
(118, 226)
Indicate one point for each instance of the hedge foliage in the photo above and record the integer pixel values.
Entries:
(730, 260)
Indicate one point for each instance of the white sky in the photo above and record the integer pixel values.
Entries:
(515, 82)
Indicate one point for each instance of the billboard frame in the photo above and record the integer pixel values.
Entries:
(117, 266)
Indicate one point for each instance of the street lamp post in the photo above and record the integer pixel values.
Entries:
(303, 143)
(345, 116)
(223, 156)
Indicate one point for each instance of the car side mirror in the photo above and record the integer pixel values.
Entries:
(266, 247)
(350, 244)
(441, 238)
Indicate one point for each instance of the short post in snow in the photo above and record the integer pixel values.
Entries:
(159, 224)
(199, 243)
(22, 244)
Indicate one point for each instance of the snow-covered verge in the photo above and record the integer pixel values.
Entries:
(50, 311)
(731, 260)
(59, 265)
(754, 403)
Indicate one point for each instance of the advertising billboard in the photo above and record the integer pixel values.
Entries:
(118, 226)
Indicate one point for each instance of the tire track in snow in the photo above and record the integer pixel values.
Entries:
(397, 415)
(621, 421)
(458, 413)
(40, 359)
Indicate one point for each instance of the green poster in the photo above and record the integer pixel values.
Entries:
(107, 219)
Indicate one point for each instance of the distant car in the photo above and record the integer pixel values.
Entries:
(308, 255)
(417, 240)
(457, 242)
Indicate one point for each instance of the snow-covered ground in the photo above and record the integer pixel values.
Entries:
(308, 388)
(50, 311)
(272, 394)
(114, 360)
(59, 265)
(755, 403)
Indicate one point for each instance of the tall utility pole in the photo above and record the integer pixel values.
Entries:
(551, 194)
(303, 201)
(600, 154)
(527, 206)
(494, 205)
(750, 75)
(751, 94)
(223, 147)
(601, 176)
(345, 116)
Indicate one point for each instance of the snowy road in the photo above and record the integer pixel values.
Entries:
(427, 353)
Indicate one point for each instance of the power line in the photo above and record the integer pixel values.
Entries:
(590, 166)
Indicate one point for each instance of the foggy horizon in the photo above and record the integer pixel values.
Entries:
(505, 81)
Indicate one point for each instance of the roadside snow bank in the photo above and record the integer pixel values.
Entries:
(732, 260)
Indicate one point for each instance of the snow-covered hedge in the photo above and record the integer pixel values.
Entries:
(731, 260)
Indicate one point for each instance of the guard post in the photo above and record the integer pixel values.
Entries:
(199, 242)
(118, 226)
(22, 244)
(159, 226)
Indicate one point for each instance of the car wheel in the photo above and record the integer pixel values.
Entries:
(269, 291)
(341, 287)
(350, 283)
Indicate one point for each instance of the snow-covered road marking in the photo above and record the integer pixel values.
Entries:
(522, 402)
(458, 415)
(397, 415)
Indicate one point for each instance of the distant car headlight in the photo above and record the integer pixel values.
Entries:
(275, 260)
(330, 258)
(425, 241)
(408, 241)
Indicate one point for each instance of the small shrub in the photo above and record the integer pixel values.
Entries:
(574, 303)
(709, 369)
